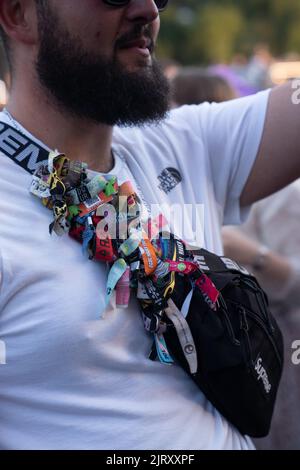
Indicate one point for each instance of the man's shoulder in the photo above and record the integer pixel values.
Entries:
(177, 122)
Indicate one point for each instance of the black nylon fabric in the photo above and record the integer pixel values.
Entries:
(239, 348)
(21, 149)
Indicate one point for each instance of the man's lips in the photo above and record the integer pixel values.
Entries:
(142, 43)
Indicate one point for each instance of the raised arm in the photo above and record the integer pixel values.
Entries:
(278, 160)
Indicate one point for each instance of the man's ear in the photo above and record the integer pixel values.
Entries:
(18, 20)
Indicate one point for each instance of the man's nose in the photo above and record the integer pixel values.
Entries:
(145, 11)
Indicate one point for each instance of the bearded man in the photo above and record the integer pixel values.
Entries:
(85, 81)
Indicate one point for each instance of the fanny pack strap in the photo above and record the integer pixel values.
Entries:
(20, 148)
(209, 262)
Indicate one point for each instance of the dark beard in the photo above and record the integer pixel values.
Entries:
(96, 88)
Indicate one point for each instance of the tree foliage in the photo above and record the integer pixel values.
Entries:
(209, 31)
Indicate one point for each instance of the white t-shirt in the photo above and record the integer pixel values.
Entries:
(73, 380)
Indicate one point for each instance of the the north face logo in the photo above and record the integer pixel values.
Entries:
(169, 179)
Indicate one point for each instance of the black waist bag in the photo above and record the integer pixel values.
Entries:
(239, 346)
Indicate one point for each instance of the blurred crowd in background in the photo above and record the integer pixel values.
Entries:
(215, 52)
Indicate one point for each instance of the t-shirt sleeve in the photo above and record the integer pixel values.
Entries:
(213, 145)
(233, 132)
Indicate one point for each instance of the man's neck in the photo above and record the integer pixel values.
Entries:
(78, 138)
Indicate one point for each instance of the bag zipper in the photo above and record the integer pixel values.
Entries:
(260, 299)
(258, 320)
(225, 316)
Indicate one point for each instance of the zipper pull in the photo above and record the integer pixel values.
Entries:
(243, 319)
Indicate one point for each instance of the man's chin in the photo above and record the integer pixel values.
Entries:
(134, 59)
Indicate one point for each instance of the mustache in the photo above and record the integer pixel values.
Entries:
(136, 33)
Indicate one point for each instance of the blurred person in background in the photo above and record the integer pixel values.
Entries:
(239, 64)
(258, 69)
(236, 80)
(269, 244)
(196, 85)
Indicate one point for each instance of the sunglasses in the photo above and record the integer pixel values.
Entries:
(161, 4)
